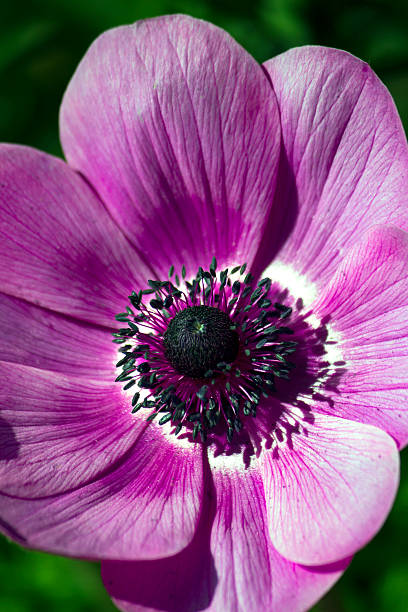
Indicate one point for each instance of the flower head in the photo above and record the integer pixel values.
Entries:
(246, 225)
(209, 354)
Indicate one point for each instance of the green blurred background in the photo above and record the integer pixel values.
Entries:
(41, 42)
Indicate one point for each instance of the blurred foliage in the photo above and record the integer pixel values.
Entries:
(39, 582)
(41, 42)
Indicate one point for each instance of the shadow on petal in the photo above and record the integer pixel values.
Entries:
(288, 410)
(9, 446)
(337, 566)
(281, 219)
(182, 582)
(9, 531)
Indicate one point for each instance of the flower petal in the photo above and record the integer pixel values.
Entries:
(43, 339)
(347, 157)
(329, 489)
(177, 128)
(59, 248)
(182, 582)
(367, 307)
(58, 433)
(81, 476)
(229, 566)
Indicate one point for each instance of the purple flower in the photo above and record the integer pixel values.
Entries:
(249, 447)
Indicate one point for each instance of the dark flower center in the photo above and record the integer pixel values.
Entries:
(204, 357)
(199, 338)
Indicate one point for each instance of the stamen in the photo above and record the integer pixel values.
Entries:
(205, 355)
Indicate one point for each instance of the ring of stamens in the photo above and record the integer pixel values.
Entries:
(193, 395)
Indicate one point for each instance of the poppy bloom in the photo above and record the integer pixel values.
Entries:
(238, 440)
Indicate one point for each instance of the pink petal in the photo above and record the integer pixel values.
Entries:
(177, 128)
(57, 433)
(367, 302)
(40, 338)
(182, 582)
(81, 476)
(346, 152)
(329, 490)
(59, 248)
(230, 565)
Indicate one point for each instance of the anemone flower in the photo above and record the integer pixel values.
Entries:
(238, 440)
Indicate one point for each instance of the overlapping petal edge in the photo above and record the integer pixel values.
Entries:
(201, 153)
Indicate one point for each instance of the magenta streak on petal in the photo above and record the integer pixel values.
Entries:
(245, 556)
(367, 302)
(330, 489)
(230, 565)
(46, 340)
(176, 126)
(59, 433)
(93, 481)
(347, 156)
(187, 580)
(59, 248)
